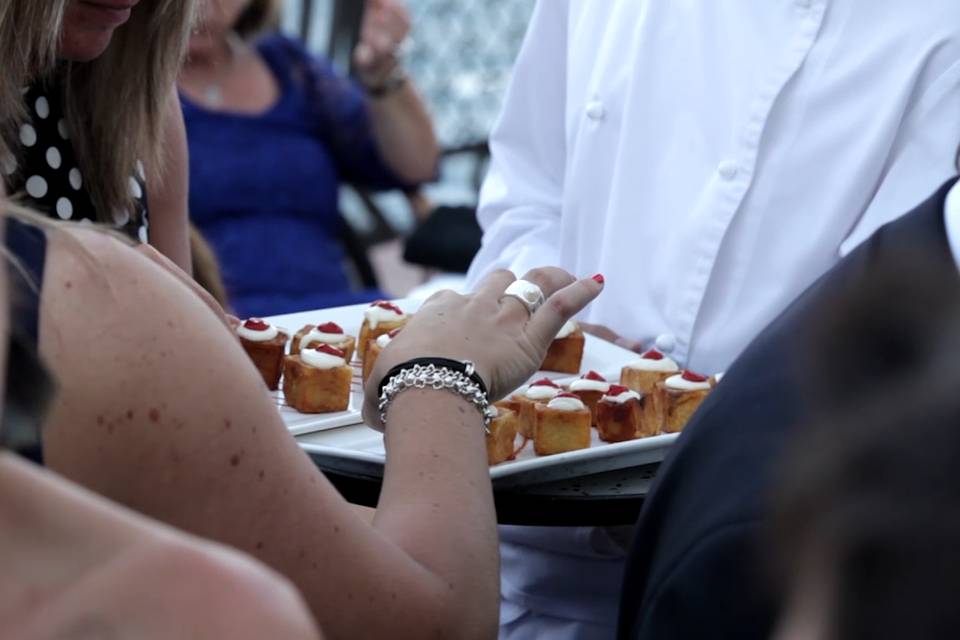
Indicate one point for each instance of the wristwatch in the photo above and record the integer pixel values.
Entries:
(391, 84)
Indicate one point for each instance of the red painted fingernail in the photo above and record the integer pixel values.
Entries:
(599, 278)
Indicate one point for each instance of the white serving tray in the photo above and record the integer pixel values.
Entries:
(341, 442)
(358, 450)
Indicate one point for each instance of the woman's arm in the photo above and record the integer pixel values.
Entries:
(401, 123)
(167, 189)
(75, 565)
(161, 410)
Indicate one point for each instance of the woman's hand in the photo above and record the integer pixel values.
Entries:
(386, 24)
(495, 332)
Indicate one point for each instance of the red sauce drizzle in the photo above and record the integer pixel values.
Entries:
(325, 348)
(566, 395)
(256, 324)
(389, 306)
(329, 327)
(690, 376)
(652, 354)
(544, 382)
(593, 375)
(393, 333)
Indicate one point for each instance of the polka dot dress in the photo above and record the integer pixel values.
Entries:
(49, 177)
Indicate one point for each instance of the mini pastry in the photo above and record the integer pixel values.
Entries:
(619, 415)
(523, 403)
(317, 380)
(563, 424)
(379, 318)
(500, 440)
(678, 397)
(265, 344)
(373, 351)
(643, 375)
(328, 333)
(590, 388)
(566, 351)
(716, 378)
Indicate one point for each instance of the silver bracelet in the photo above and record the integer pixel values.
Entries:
(440, 378)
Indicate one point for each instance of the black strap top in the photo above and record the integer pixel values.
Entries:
(29, 387)
(45, 172)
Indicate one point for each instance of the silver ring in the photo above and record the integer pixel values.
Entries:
(526, 292)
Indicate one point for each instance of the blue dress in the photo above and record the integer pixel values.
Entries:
(263, 188)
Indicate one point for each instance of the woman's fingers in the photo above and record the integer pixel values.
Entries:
(560, 307)
(548, 279)
(492, 286)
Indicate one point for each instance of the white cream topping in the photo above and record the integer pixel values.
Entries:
(541, 392)
(566, 404)
(375, 315)
(325, 338)
(383, 340)
(664, 365)
(568, 327)
(321, 360)
(252, 335)
(622, 398)
(679, 383)
(718, 377)
(585, 384)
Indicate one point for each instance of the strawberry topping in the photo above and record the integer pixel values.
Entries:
(652, 354)
(329, 327)
(544, 382)
(617, 389)
(593, 375)
(566, 395)
(389, 306)
(256, 324)
(325, 348)
(690, 376)
(393, 333)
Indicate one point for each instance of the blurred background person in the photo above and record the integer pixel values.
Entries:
(99, 136)
(867, 525)
(864, 523)
(273, 131)
(876, 334)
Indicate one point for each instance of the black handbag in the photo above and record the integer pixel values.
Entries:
(447, 240)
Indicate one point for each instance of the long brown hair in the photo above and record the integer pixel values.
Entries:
(28, 40)
(115, 104)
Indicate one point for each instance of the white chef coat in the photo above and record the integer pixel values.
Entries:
(952, 221)
(711, 158)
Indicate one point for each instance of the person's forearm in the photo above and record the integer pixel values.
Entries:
(437, 472)
(404, 133)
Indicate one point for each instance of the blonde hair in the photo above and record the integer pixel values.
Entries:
(115, 104)
(29, 31)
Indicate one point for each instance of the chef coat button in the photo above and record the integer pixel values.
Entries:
(666, 342)
(728, 170)
(596, 110)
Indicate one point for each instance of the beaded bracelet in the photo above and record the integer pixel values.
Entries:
(440, 374)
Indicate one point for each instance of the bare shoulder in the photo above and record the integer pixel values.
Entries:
(157, 401)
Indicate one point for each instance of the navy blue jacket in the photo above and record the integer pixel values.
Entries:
(694, 569)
